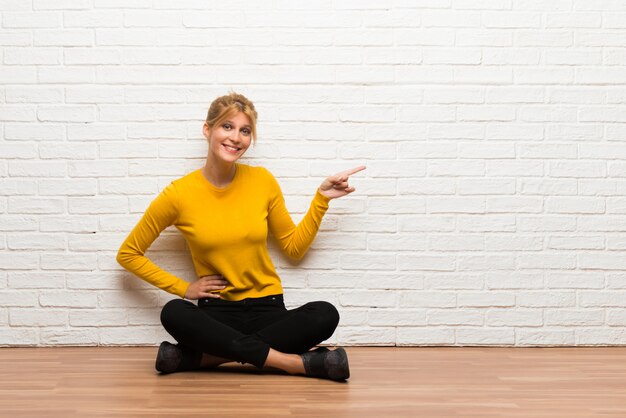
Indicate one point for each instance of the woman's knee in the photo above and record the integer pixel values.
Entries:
(327, 315)
(171, 311)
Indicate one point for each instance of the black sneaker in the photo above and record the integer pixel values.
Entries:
(172, 358)
(326, 364)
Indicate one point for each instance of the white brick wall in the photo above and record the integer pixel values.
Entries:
(492, 212)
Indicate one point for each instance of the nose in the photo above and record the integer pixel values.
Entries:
(235, 136)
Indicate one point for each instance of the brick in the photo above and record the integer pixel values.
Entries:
(369, 298)
(574, 20)
(602, 187)
(18, 298)
(546, 300)
(68, 261)
(615, 318)
(350, 241)
(506, 94)
(572, 317)
(547, 261)
(456, 168)
(616, 205)
(18, 223)
(19, 337)
(487, 187)
(574, 57)
(517, 204)
(511, 20)
(456, 317)
(396, 318)
(34, 94)
(452, 281)
(92, 56)
(143, 317)
(378, 280)
(514, 317)
(575, 205)
(509, 55)
(548, 114)
(483, 37)
(548, 187)
(396, 205)
(98, 318)
(558, 151)
(426, 186)
(574, 132)
(36, 280)
(36, 205)
(409, 262)
(486, 75)
(460, 130)
(486, 300)
(410, 336)
(453, 243)
(60, 337)
(429, 114)
(606, 261)
(486, 223)
(37, 317)
(39, 241)
(17, 113)
(452, 56)
(515, 242)
(65, 298)
(68, 223)
(576, 243)
(514, 280)
(547, 337)
(480, 336)
(591, 336)
(424, 223)
(370, 261)
(393, 242)
(569, 169)
(511, 131)
(382, 336)
(485, 263)
(16, 186)
(538, 38)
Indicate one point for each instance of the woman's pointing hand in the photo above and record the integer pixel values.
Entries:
(337, 185)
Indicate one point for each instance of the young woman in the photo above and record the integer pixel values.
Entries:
(225, 211)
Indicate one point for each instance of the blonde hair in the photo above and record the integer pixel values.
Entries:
(225, 106)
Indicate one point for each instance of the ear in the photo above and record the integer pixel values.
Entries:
(206, 131)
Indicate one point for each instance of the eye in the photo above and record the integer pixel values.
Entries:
(246, 131)
(227, 126)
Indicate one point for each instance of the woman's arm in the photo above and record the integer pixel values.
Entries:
(161, 213)
(296, 240)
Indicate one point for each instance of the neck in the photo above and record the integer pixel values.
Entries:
(220, 174)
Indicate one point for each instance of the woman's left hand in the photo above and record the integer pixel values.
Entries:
(337, 185)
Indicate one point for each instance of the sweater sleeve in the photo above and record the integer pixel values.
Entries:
(161, 213)
(294, 240)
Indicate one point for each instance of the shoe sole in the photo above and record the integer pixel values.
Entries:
(340, 371)
(160, 359)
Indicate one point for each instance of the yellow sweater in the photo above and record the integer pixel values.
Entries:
(226, 230)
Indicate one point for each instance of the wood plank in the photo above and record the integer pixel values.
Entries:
(386, 381)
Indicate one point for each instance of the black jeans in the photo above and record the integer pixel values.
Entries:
(245, 330)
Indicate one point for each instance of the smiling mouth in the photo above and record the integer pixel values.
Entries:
(231, 149)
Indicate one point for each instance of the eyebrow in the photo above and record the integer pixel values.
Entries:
(232, 123)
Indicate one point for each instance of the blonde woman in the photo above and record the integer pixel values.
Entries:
(225, 211)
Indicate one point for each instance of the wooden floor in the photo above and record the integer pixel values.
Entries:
(385, 382)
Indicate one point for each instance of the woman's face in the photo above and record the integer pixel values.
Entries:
(229, 140)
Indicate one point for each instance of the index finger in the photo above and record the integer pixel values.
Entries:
(212, 277)
(353, 170)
